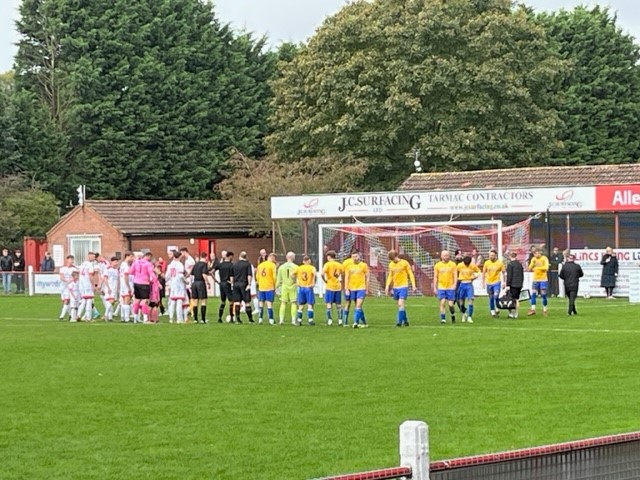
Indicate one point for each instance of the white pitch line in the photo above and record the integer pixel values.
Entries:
(458, 327)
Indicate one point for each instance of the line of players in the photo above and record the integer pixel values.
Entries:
(453, 283)
(138, 280)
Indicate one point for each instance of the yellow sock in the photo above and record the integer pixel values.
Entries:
(283, 311)
(294, 312)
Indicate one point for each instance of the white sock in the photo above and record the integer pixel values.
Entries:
(65, 309)
(171, 310)
(179, 311)
(117, 310)
(74, 314)
(88, 313)
(81, 308)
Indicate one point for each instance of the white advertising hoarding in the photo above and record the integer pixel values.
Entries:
(453, 202)
(47, 284)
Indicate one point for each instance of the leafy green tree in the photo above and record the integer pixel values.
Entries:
(25, 210)
(464, 81)
(150, 96)
(600, 93)
(252, 182)
(8, 147)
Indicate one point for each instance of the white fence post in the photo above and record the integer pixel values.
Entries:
(414, 448)
(31, 281)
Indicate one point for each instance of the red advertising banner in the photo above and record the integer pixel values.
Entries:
(618, 198)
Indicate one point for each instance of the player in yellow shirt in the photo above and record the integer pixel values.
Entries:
(332, 276)
(539, 265)
(445, 278)
(493, 280)
(305, 276)
(266, 273)
(344, 319)
(356, 280)
(467, 272)
(400, 274)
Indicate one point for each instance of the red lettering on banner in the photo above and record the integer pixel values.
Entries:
(618, 197)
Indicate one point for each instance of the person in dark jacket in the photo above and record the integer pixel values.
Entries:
(6, 267)
(47, 264)
(571, 274)
(555, 260)
(609, 264)
(515, 282)
(18, 271)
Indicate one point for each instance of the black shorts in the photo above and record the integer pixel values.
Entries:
(241, 293)
(514, 292)
(141, 292)
(199, 290)
(226, 292)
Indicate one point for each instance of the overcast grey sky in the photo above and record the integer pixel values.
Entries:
(296, 20)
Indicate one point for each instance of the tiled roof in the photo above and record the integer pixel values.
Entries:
(526, 177)
(179, 217)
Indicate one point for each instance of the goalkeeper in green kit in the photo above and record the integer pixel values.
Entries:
(286, 286)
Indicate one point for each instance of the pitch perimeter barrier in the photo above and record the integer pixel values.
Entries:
(612, 457)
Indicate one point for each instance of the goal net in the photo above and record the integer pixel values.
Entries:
(420, 244)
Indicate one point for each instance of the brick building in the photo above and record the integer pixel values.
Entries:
(114, 226)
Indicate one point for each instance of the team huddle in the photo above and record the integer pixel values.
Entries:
(134, 287)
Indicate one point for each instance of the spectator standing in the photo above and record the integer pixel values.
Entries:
(609, 264)
(6, 267)
(47, 264)
(555, 260)
(571, 274)
(18, 270)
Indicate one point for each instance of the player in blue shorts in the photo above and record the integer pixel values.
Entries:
(445, 279)
(332, 275)
(493, 280)
(467, 273)
(539, 265)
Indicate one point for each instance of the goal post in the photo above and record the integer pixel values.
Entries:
(420, 243)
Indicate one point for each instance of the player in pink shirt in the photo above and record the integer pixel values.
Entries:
(143, 276)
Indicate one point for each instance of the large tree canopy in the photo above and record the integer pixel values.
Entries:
(467, 82)
(136, 99)
(600, 93)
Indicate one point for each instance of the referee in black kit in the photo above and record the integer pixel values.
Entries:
(201, 279)
(225, 271)
(242, 274)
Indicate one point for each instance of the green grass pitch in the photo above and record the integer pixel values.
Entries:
(113, 401)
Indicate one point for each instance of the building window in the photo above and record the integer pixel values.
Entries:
(80, 246)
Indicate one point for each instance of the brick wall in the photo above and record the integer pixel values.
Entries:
(85, 221)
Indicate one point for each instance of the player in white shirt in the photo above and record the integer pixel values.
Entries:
(110, 288)
(177, 291)
(126, 287)
(73, 292)
(88, 271)
(66, 274)
(189, 263)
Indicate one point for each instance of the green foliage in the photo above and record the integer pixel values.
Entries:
(143, 100)
(600, 93)
(111, 401)
(8, 145)
(252, 182)
(25, 210)
(466, 82)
